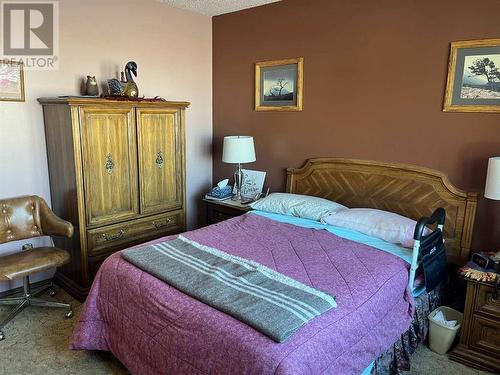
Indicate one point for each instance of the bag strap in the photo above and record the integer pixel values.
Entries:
(438, 217)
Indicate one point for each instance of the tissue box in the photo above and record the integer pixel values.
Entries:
(220, 193)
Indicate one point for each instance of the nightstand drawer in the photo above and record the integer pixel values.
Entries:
(220, 211)
(216, 216)
(485, 302)
(485, 335)
(479, 345)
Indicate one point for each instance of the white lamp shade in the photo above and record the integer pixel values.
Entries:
(492, 190)
(238, 149)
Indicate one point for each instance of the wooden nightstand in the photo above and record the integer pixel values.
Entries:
(218, 211)
(479, 345)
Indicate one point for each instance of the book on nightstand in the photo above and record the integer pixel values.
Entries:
(221, 192)
(213, 198)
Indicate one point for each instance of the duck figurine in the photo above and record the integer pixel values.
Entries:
(126, 88)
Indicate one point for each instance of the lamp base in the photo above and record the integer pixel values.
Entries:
(238, 183)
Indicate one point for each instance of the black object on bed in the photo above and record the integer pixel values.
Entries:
(432, 251)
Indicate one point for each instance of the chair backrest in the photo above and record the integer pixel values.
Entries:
(20, 218)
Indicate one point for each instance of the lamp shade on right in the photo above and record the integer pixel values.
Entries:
(492, 190)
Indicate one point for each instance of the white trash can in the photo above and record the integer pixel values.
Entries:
(441, 336)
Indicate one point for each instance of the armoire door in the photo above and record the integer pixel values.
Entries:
(110, 164)
(160, 160)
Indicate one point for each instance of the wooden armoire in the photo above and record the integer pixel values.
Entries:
(117, 172)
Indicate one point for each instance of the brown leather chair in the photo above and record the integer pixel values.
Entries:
(22, 218)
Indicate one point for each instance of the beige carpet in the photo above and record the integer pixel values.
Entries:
(37, 344)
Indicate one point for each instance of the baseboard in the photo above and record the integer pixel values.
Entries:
(19, 290)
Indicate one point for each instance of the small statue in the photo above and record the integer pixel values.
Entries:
(91, 87)
(126, 88)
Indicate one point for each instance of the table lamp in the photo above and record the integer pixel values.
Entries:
(492, 190)
(238, 149)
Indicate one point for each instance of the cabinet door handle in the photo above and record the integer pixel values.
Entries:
(113, 237)
(159, 161)
(110, 164)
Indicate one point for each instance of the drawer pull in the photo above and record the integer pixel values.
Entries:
(159, 225)
(113, 237)
(496, 287)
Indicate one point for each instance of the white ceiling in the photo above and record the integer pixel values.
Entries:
(216, 7)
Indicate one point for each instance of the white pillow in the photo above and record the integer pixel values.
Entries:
(303, 206)
(388, 226)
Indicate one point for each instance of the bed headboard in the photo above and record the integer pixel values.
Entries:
(405, 189)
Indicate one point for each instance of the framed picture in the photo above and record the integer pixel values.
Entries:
(473, 77)
(253, 182)
(11, 81)
(278, 85)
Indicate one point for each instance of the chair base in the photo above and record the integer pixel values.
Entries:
(29, 298)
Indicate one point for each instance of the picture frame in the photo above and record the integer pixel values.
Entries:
(253, 183)
(11, 81)
(279, 85)
(473, 83)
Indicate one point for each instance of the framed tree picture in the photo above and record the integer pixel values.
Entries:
(473, 77)
(278, 85)
(11, 81)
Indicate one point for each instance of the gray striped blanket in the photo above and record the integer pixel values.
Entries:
(266, 300)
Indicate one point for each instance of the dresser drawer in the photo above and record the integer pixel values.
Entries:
(485, 335)
(122, 235)
(485, 302)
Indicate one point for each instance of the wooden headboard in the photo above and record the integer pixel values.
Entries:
(407, 190)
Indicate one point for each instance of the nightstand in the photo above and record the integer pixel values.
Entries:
(479, 345)
(218, 211)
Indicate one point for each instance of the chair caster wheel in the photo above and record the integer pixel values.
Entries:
(52, 293)
(2, 336)
(69, 314)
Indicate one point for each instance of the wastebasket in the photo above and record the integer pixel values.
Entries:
(441, 336)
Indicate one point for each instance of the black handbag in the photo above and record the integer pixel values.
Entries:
(432, 252)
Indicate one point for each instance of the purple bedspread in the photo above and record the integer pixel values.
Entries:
(152, 328)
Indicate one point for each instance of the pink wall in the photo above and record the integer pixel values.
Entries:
(173, 49)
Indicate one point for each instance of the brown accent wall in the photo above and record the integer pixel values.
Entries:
(374, 81)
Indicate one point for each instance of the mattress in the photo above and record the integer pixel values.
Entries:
(152, 328)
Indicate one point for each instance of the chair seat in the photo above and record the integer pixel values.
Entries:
(31, 261)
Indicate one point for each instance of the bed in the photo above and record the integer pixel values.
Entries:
(153, 328)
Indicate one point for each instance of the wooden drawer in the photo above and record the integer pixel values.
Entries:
(485, 335)
(119, 236)
(216, 216)
(217, 212)
(485, 302)
(479, 345)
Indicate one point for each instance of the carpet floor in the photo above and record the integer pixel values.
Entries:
(37, 344)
